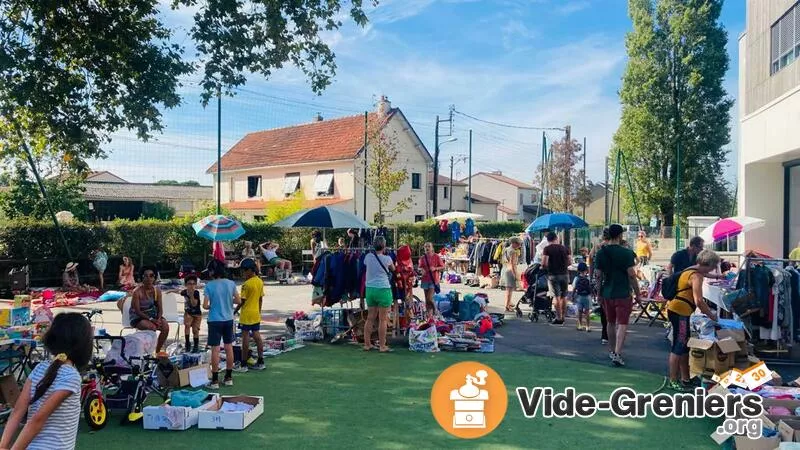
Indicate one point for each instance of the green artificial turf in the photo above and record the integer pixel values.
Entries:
(326, 396)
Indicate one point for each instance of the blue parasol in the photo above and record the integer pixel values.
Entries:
(556, 221)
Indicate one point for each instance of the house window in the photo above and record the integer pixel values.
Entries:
(419, 218)
(259, 218)
(446, 192)
(785, 40)
(520, 199)
(291, 183)
(416, 181)
(323, 185)
(254, 187)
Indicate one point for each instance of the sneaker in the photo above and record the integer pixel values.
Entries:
(603, 341)
(676, 386)
(228, 381)
(588, 329)
(618, 361)
(240, 369)
(259, 366)
(214, 385)
(251, 361)
(612, 355)
(691, 384)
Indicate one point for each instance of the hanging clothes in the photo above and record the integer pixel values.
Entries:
(469, 227)
(455, 231)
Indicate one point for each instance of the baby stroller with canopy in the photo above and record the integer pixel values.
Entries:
(536, 295)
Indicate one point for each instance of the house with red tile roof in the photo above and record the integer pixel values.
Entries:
(518, 200)
(453, 196)
(324, 160)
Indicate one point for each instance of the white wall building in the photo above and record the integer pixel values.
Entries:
(769, 111)
(518, 200)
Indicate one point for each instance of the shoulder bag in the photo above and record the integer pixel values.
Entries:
(436, 288)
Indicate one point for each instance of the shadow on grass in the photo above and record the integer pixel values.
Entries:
(340, 397)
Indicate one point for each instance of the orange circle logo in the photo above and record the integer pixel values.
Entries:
(469, 400)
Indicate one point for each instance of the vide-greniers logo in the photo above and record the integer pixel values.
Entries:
(469, 400)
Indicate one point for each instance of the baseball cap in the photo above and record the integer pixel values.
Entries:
(248, 264)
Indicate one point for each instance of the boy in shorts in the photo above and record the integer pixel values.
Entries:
(582, 296)
(250, 316)
(192, 314)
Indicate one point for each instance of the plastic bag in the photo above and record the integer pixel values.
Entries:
(424, 339)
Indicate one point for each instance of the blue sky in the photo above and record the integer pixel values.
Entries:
(540, 63)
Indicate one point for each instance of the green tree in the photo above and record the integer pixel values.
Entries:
(385, 174)
(72, 73)
(672, 95)
(561, 178)
(281, 210)
(157, 210)
(178, 183)
(23, 198)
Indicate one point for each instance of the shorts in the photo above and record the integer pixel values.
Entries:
(618, 310)
(380, 297)
(193, 322)
(510, 280)
(256, 327)
(274, 261)
(558, 284)
(643, 260)
(152, 313)
(584, 302)
(427, 286)
(680, 333)
(220, 331)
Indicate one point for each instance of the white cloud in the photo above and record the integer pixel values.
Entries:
(390, 11)
(515, 33)
(572, 7)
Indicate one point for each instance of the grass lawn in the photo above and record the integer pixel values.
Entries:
(340, 397)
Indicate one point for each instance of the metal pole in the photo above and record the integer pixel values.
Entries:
(584, 178)
(542, 180)
(469, 205)
(44, 193)
(676, 218)
(617, 187)
(451, 184)
(435, 193)
(366, 124)
(605, 216)
(219, 151)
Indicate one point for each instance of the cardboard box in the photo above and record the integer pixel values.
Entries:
(789, 430)
(9, 389)
(12, 317)
(184, 377)
(736, 335)
(709, 355)
(762, 443)
(164, 417)
(214, 419)
(772, 420)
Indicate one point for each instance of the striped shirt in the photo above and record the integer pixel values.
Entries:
(61, 428)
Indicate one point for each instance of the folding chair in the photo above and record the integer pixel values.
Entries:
(654, 303)
(169, 303)
(126, 315)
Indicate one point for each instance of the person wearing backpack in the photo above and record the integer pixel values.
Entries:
(684, 292)
(582, 296)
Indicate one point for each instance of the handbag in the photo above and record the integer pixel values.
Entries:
(436, 288)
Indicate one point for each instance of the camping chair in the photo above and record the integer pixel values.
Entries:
(654, 303)
(126, 315)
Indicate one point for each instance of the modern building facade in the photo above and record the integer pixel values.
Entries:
(769, 114)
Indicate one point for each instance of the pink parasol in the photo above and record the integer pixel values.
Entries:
(730, 227)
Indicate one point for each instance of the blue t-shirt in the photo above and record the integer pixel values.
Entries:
(61, 428)
(220, 297)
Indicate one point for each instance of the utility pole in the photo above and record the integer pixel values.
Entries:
(542, 178)
(469, 205)
(677, 218)
(435, 193)
(567, 184)
(584, 178)
(366, 120)
(219, 151)
(606, 194)
(450, 195)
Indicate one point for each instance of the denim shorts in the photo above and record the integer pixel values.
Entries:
(427, 286)
(220, 331)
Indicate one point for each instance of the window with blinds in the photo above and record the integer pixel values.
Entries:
(785, 40)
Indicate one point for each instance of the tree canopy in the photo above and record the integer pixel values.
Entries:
(672, 96)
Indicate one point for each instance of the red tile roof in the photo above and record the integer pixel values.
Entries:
(327, 140)
(506, 180)
(445, 181)
(260, 205)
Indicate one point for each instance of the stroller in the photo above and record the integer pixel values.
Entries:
(536, 295)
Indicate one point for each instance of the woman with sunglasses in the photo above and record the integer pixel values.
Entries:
(147, 309)
(644, 249)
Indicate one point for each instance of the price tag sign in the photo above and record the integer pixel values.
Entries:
(733, 377)
(757, 375)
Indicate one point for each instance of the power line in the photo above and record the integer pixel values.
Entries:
(505, 125)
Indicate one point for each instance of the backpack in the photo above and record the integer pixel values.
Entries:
(669, 286)
(583, 286)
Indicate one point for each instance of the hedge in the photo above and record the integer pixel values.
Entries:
(149, 241)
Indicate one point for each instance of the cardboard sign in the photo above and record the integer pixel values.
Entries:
(757, 375)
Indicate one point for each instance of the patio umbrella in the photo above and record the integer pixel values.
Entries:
(730, 227)
(322, 217)
(456, 215)
(218, 228)
(556, 221)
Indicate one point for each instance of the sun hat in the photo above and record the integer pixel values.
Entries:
(71, 266)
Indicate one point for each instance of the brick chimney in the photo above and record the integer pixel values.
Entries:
(384, 106)
(318, 117)
(496, 172)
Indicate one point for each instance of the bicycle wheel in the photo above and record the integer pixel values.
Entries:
(94, 411)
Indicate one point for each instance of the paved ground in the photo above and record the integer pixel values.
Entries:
(646, 347)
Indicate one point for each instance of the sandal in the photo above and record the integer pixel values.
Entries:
(367, 349)
(387, 350)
